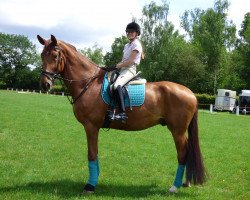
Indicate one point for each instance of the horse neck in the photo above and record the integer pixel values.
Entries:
(78, 67)
(79, 70)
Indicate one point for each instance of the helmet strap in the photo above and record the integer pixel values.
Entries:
(132, 39)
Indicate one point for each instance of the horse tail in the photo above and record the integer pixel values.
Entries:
(195, 170)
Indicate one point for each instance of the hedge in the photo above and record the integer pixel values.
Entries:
(205, 100)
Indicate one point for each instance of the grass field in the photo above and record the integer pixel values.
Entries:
(43, 155)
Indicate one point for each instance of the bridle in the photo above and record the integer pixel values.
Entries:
(52, 76)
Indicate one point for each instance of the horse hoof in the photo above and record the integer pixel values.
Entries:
(186, 184)
(173, 190)
(87, 192)
(88, 189)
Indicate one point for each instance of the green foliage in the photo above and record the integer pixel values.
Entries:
(17, 53)
(245, 29)
(95, 54)
(233, 79)
(168, 55)
(58, 89)
(43, 152)
(241, 55)
(205, 99)
(237, 73)
(115, 56)
(211, 32)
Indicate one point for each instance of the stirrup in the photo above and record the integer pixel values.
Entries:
(111, 114)
(121, 117)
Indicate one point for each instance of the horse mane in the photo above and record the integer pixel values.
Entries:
(69, 45)
(72, 47)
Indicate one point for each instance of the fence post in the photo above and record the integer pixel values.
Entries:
(62, 93)
(211, 108)
(237, 110)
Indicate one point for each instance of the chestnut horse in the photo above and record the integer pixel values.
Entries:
(166, 103)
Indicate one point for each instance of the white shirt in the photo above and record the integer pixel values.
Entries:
(129, 48)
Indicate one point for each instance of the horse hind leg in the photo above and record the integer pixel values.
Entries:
(189, 155)
(180, 140)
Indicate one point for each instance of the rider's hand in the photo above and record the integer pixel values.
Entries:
(109, 68)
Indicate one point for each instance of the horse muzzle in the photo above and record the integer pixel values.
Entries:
(45, 84)
(47, 80)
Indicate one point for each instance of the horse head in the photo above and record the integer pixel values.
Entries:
(53, 61)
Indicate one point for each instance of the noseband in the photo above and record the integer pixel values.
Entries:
(50, 75)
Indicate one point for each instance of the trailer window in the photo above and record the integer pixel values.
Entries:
(245, 100)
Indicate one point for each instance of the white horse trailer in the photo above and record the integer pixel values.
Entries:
(225, 100)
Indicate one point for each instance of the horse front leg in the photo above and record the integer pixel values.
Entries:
(93, 163)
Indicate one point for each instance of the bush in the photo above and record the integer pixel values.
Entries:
(58, 89)
(204, 100)
(2, 85)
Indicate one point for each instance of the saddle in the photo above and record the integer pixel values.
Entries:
(135, 80)
(133, 91)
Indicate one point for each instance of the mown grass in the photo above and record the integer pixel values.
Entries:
(43, 155)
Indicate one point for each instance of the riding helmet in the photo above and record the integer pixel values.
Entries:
(133, 26)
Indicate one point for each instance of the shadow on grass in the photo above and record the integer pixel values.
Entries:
(69, 188)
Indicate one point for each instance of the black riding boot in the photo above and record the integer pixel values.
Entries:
(119, 95)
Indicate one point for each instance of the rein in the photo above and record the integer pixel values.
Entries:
(91, 79)
(52, 76)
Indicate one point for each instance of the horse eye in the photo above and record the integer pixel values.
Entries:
(54, 55)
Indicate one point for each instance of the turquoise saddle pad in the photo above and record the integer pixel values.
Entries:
(136, 94)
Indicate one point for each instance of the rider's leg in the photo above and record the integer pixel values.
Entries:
(120, 99)
(123, 78)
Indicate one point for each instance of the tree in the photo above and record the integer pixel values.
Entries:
(154, 24)
(245, 29)
(167, 55)
(214, 35)
(95, 54)
(240, 58)
(233, 79)
(115, 56)
(16, 54)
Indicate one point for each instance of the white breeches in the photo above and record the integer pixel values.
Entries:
(124, 77)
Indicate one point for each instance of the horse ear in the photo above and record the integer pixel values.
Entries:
(54, 40)
(40, 39)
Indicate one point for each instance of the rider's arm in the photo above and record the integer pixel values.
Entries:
(128, 62)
